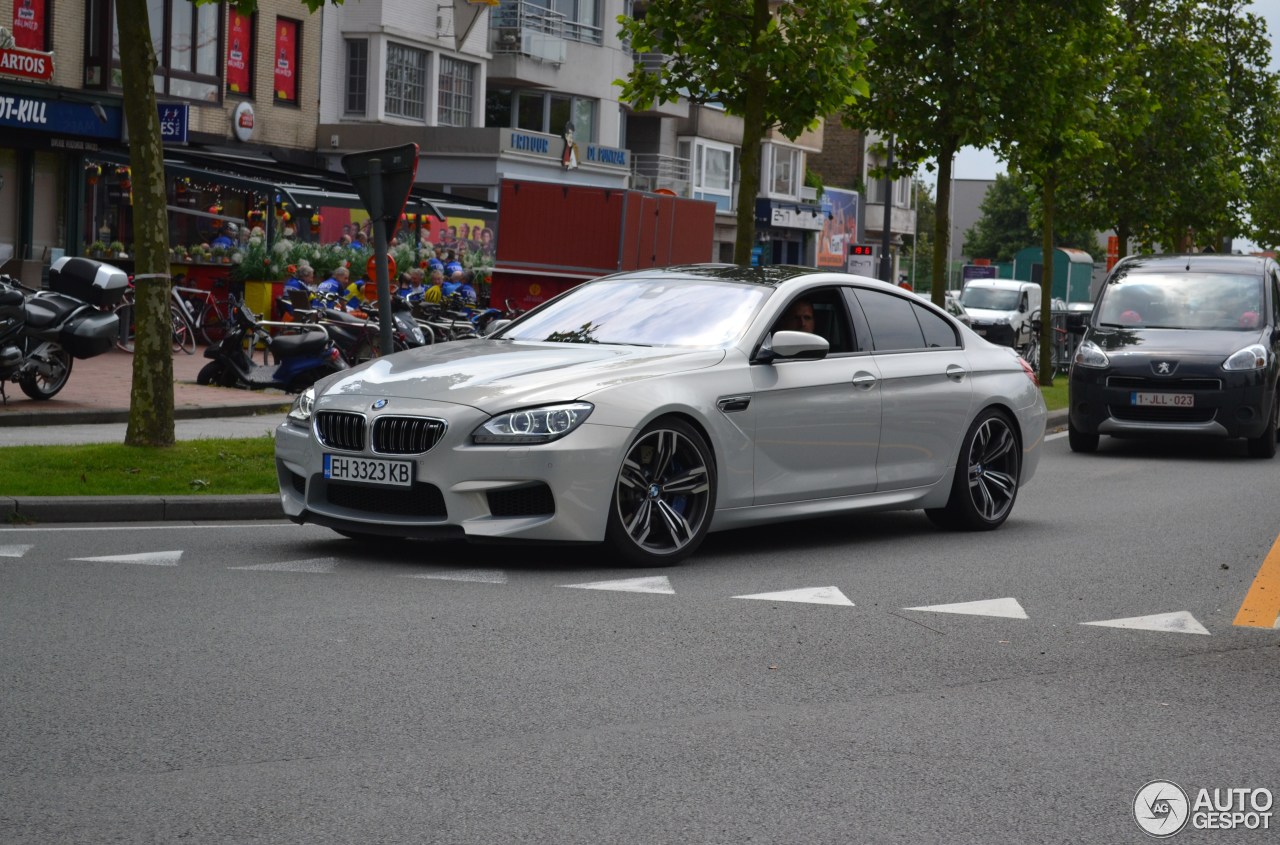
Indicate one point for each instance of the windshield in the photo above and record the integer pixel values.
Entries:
(1208, 301)
(645, 312)
(992, 299)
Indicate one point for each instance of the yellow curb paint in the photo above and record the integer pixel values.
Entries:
(1261, 607)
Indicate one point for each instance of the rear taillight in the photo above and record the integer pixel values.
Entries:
(1031, 373)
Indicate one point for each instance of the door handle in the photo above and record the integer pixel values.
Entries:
(864, 380)
(955, 372)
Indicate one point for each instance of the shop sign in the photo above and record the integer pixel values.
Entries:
(789, 216)
(28, 64)
(60, 117)
(174, 118)
(29, 17)
(607, 156)
(530, 143)
(242, 121)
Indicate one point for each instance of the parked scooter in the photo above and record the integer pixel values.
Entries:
(43, 331)
(301, 358)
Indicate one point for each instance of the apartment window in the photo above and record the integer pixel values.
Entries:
(241, 37)
(31, 24)
(785, 167)
(356, 101)
(581, 18)
(457, 87)
(535, 111)
(187, 40)
(901, 191)
(406, 82)
(712, 171)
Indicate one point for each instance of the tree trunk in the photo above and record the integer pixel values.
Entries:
(942, 225)
(752, 134)
(151, 400)
(1046, 282)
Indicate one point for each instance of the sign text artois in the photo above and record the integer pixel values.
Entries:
(29, 64)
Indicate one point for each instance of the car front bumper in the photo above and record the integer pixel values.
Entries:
(1224, 404)
(558, 492)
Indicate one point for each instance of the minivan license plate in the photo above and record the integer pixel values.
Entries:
(1163, 400)
(368, 470)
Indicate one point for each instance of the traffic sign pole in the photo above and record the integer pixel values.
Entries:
(380, 254)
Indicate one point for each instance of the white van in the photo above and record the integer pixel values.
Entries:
(1002, 310)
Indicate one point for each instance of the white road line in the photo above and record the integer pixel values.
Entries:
(15, 551)
(656, 584)
(810, 595)
(145, 558)
(316, 565)
(1008, 608)
(1179, 622)
(479, 576)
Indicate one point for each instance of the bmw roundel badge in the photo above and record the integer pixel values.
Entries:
(380, 404)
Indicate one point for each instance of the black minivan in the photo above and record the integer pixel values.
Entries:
(1181, 344)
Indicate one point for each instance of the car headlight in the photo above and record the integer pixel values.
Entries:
(1252, 357)
(1088, 354)
(533, 425)
(303, 404)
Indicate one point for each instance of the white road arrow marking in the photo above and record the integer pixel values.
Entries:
(315, 564)
(480, 576)
(14, 551)
(656, 584)
(146, 558)
(811, 595)
(1179, 622)
(1007, 608)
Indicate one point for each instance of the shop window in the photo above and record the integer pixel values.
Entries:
(31, 24)
(536, 111)
(357, 94)
(287, 54)
(457, 92)
(497, 107)
(187, 40)
(241, 37)
(406, 81)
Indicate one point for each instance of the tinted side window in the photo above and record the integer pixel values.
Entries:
(937, 331)
(830, 320)
(892, 321)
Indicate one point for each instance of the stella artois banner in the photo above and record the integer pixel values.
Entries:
(239, 49)
(28, 64)
(29, 23)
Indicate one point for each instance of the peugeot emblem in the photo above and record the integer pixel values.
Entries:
(1163, 368)
(380, 404)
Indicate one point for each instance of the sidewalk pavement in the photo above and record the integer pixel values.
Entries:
(94, 408)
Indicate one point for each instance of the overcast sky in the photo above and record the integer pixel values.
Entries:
(982, 164)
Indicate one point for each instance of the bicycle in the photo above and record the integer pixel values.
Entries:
(182, 333)
(208, 314)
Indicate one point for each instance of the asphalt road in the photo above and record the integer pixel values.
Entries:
(266, 682)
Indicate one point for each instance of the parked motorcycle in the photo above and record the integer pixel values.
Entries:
(43, 331)
(300, 358)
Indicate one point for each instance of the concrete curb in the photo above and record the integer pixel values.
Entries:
(119, 415)
(65, 509)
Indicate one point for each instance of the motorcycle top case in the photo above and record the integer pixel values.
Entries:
(91, 281)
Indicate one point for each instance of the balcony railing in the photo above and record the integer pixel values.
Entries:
(525, 28)
(651, 172)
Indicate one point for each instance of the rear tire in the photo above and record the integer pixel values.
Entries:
(985, 485)
(1264, 445)
(1080, 441)
(39, 386)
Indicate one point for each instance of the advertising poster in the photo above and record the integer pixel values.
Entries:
(286, 64)
(840, 229)
(29, 24)
(239, 47)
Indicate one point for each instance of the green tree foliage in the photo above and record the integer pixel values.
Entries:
(1011, 221)
(933, 73)
(780, 70)
(1056, 107)
(151, 397)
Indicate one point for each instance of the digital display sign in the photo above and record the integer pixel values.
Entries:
(861, 249)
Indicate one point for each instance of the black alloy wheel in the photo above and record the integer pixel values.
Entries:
(985, 484)
(51, 377)
(664, 496)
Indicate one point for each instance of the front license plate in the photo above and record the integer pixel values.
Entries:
(1163, 400)
(368, 470)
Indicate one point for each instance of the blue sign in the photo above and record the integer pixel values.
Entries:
(977, 271)
(174, 118)
(613, 156)
(60, 117)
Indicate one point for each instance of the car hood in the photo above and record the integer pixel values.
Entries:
(494, 375)
(1172, 341)
(986, 313)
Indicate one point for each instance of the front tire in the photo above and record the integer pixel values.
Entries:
(41, 386)
(664, 495)
(985, 484)
(1080, 441)
(1264, 445)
